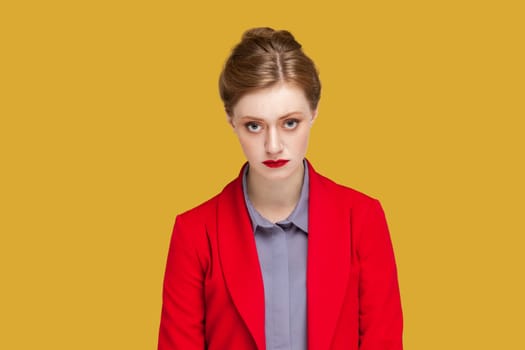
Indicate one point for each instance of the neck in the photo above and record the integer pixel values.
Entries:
(273, 195)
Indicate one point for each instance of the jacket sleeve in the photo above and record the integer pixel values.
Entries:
(380, 314)
(182, 317)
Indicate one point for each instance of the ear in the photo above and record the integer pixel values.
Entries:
(314, 115)
(229, 119)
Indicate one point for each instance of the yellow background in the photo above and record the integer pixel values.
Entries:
(111, 124)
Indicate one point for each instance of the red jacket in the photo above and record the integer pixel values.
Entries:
(213, 295)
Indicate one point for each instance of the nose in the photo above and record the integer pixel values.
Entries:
(273, 141)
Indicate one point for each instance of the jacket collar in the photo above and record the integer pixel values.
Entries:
(328, 262)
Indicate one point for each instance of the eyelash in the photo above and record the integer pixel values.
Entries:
(248, 124)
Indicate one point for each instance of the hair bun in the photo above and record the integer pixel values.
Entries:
(279, 39)
(260, 32)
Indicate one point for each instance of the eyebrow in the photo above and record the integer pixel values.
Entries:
(261, 119)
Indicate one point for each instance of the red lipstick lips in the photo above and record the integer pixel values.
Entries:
(275, 163)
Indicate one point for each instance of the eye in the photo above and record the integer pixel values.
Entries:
(252, 127)
(291, 123)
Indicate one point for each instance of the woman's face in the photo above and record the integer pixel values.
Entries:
(273, 124)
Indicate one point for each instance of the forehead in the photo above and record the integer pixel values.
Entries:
(272, 102)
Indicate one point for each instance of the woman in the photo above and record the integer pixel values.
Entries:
(282, 258)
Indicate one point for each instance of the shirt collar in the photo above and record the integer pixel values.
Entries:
(298, 217)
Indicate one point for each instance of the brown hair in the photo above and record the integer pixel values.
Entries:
(263, 58)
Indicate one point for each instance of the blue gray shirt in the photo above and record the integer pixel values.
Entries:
(282, 248)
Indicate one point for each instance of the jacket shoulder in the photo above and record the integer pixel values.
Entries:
(200, 211)
(208, 208)
(348, 194)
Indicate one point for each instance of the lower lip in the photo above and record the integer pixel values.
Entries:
(276, 164)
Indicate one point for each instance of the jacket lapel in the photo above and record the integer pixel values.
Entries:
(328, 262)
(239, 260)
